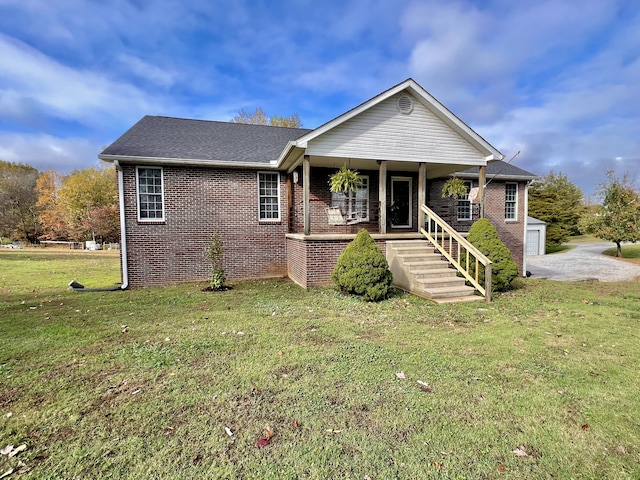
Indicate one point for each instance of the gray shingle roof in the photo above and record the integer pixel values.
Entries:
(500, 169)
(180, 138)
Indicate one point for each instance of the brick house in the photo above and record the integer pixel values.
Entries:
(265, 189)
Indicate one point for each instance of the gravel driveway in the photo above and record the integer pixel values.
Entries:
(584, 262)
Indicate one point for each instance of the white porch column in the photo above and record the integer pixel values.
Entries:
(306, 179)
(382, 195)
(422, 193)
(482, 179)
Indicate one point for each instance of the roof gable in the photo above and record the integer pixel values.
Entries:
(398, 128)
(411, 87)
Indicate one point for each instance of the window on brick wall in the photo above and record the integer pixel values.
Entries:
(511, 201)
(465, 211)
(268, 196)
(353, 202)
(150, 194)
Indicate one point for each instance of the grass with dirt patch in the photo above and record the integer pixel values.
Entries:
(142, 383)
(629, 252)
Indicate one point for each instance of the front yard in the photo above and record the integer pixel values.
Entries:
(175, 383)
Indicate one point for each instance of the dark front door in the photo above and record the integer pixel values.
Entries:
(401, 202)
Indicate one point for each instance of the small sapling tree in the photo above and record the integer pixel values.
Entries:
(213, 253)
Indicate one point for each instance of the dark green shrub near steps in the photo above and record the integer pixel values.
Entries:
(362, 269)
(504, 270)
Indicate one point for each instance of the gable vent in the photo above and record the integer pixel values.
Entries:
(405, 104)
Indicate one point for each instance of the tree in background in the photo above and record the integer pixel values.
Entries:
(558, 202)
(51, 214)
(90, 197)
(260, 118)
(618, 219)
(79, 206)
(18, 215)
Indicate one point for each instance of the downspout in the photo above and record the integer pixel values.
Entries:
(123, 229)
(526, 227)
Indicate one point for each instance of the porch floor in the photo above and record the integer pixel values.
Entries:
(351, 236)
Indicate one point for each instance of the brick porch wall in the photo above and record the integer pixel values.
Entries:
(198, 203)
(312, 261)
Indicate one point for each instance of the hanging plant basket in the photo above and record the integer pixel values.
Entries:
(454, 187)
(345, 180)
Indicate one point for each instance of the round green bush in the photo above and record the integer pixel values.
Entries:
(362, 269)
(485, 238)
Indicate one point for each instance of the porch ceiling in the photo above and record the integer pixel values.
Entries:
(434, 170)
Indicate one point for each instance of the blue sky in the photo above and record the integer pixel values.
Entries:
(557, 80)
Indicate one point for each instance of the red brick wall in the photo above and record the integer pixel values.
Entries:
(511, 231)
(198, 203)
(320, 199)
(312, 261)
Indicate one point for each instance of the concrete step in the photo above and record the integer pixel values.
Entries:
(434, 273)
(419, 269)
(425, 265)
(429, 257)
(440, 281)
(453, 291)
(469, 298)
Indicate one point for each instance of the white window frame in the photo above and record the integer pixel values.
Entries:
(469, 185)
(262, 219)
(352, 199)
(139, 193)
(513, 202)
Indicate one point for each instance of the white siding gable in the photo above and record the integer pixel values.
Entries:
(383, 133)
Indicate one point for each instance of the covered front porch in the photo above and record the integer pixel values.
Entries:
(390, 205)
(388, 202)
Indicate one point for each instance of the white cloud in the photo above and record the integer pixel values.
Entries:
(49, 152)
(34, 79)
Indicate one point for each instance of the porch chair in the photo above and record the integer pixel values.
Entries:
(336, 217)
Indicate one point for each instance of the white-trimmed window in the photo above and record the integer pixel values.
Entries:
(465, 212)
(354, 204)
(269, 196)
(150, 194)
(511, 201)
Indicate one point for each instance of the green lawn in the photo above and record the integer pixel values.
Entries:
(631, 252)
(142, 383)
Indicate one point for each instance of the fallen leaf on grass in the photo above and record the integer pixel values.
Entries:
(425, 386)
(401, 376)
(263, 442)
(521, 451)
(296, 424)
(266, 437)
(502, 468)
(17, 450)
(7, 473)
(437, 465)
(585, 426)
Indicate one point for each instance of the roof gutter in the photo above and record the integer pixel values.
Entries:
(123, 228)
(183, 162)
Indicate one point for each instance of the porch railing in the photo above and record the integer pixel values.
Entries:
(455, 247)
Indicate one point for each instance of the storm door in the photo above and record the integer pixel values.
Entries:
(401, 195)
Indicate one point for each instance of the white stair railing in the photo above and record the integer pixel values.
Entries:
(443, 236)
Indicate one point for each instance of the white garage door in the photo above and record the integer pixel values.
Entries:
(533, 242)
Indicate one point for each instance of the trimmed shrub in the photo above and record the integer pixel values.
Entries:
(362, 269)
(504, 270)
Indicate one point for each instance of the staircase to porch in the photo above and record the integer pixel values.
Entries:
(419, 268)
